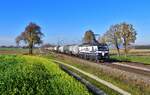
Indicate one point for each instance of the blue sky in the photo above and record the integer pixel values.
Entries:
(67, 20)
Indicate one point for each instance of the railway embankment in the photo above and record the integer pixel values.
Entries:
(134, 83)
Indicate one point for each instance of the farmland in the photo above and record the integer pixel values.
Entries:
(35, 75)
(136, 52)
(139, 59)
(13, 51)
(135, 55)
(19, 68)
(16, 50)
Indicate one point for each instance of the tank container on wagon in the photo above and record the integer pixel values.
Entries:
(75, 50)
(61, 49)
(70, 49)
(66, 49)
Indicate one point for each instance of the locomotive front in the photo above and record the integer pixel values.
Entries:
(102, 51)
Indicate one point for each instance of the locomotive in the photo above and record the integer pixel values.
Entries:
(94, 52)
(86, 51)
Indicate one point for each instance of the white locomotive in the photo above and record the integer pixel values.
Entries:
(94, 52)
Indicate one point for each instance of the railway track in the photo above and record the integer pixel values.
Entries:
(129, 67)
(125, 66)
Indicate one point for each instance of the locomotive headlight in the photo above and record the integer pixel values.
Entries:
(103, 53)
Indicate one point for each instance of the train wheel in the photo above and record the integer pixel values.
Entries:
(85, 57)
(91, 59)
(97, 61)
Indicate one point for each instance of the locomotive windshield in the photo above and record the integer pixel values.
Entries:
(102, 48)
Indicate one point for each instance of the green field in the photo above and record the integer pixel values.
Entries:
(134, 55)
(13, 51)
(17, 51)
(137, 52)
(139, 59)
(30, 75)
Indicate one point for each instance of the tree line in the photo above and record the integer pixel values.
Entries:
(118, 34)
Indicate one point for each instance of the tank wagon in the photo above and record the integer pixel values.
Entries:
(56, 48)
(61, 49)
(86, 51)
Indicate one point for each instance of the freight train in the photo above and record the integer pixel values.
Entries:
(95, 52)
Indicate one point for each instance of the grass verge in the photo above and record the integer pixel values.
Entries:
(118, 81)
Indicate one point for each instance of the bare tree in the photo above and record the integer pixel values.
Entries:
(128, 35)
(113, 37)
(32, 35)
(103, 39)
